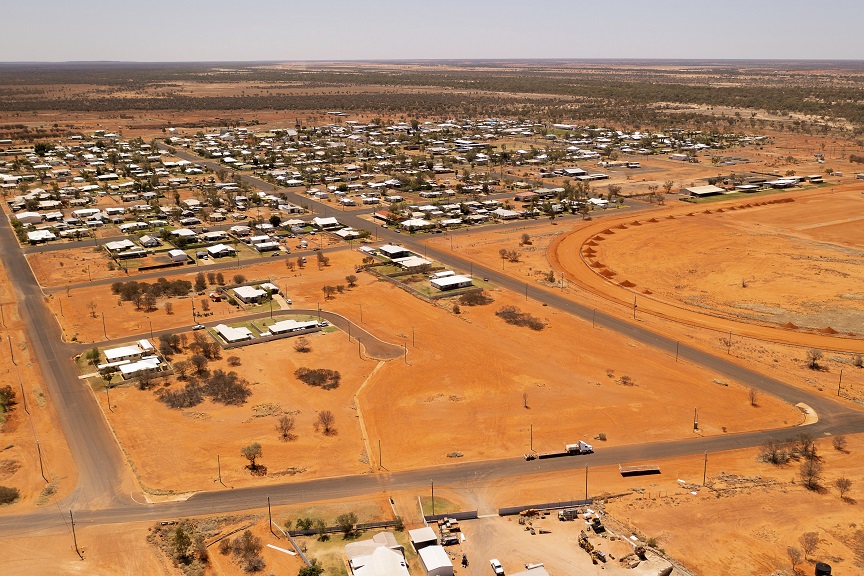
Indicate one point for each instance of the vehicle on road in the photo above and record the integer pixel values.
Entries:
(496, 566)
(198, 327)
(323, 324)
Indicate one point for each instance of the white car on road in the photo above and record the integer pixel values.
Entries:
(496, 566)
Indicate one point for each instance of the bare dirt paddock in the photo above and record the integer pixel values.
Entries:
(724, 264)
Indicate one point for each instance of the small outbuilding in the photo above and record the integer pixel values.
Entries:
(423, 537)
(435, 561)
(701, 191)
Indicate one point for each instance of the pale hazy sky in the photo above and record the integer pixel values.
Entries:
(238, 30)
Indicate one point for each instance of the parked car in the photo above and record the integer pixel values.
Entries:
(198, 327)
(496, 566)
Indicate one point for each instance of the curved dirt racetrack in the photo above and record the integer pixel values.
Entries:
(571, 254)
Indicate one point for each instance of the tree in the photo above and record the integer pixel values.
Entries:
(843, 486)
(328, 291)
(525, 239)
(199, 362)
(239, 279)
(285, 427)
(220, 279)
(92, 355)
(233, 361)
(352, 280)
(92, 307)
(667, 186)
(302, 344)
(181, 368)
(290, 264)
(752, 396)
(313, 570)
(251, 453)
(794, 557)
(181, 542)
(811, 473)
(809, 542)
(169, 308)
(346, 522)
(839, 443)
(774, 452)
(7, 398)
(325, 422)
(211, 278)
(301, 262)
(813, 357)
(200, 282)
(205, 305)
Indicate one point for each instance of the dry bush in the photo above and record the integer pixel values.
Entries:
(475, 298)
(322, 377)
(302, 345)
(512, 315)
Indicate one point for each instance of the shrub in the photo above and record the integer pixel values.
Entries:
(189, 396)
(323, 377)
(512, 315)
(8, 495)
(475, 298)
(302, 345)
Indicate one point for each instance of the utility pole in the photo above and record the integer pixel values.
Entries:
(634, 307)
(526, 291)
(23, 397)
(151, 327)
(705, 469)
(531, 437)
(586, 482)
(108, 395)
(593, 319)
(74, 537)
(380, 459)
(270, 516)
(433, 497)
(729, 343)
(840, 382)
(361, 313)
(11, 352)
(676, 350)
(104, 329)
(41, 467)
(695, 421)
(219, 468)
(413, 342)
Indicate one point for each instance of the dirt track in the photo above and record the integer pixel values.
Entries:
(570, 254)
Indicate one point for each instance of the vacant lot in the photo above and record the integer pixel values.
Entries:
(736, 263)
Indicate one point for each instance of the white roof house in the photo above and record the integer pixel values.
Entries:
(435, 561)
(231, 334)
(123, 353)
(291, 326)
(451, 282)
(220, 250)
(40, 236)
(416, 224)
(411, 262)
(29, 217)
(329, 222)
(119, 245)
(249, 294)
(381, 562)
(149, 364)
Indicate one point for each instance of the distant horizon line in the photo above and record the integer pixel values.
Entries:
(431, 60)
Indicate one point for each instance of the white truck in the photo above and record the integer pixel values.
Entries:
(579, 448)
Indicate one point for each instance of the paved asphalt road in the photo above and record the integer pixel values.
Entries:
(101, 467)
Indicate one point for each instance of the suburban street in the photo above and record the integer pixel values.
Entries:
(104, 493)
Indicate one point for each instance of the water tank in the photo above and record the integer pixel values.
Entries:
(823, 569)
